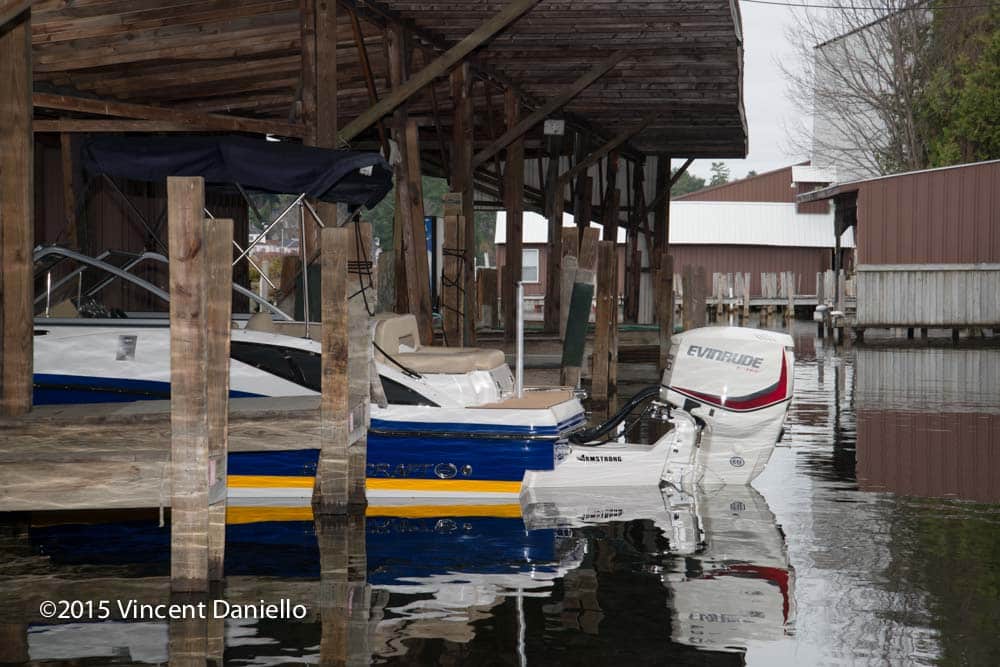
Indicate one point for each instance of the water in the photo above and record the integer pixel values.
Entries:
(873, 537)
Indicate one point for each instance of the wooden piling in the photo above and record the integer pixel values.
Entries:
(360, 361)
(487, 288)
(451, 271)
(700, 285)
(218, 315)
(199, 402)
(17, 222)
(570, 263)
(687, 297)
(513, 195)
(578, 315)
(665, 306)
(607, 267)
(332, 489)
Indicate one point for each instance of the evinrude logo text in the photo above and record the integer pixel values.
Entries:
(725, 356)
(602, 458)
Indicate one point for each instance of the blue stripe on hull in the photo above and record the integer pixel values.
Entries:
(292, 463)
(51, 389)
(456, 458)
(415, 458)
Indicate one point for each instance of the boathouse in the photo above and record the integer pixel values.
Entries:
(928, 246)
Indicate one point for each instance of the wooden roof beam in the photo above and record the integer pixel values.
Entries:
(378, 14)
(11, 9)
(194, 119)
(441, 65)
(610, 145)
(665, 192)
(552, 105)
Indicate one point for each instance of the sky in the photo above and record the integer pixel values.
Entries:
(768, 109)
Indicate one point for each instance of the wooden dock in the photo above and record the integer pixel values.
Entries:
(117, 455)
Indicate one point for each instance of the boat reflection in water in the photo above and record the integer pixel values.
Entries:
(707, 572)
(731, 584)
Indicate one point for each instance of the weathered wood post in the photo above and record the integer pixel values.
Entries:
(570, 263)
(607, 267)
(578, 317)
(665, 306)
(687, 297)
(332, 487)
(746, 298)
(360, 361)
(488, 286)
(200, 255)
(219, 311)
(452, 302)
(17, 222)
(701, 285)
(513, 196)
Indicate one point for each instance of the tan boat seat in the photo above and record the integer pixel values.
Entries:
(399, 336)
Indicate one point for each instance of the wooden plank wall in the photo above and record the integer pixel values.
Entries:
(928, 296)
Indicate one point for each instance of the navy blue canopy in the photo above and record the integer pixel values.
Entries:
(352, 177)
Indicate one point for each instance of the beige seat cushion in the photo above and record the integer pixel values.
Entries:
(261, 321)
(391, 331)
(399, 336)
(451, 359)
(533, 400)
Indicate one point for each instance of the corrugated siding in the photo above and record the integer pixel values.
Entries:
(772, 186)
(941, 297)
(931, 217)
(805, 262)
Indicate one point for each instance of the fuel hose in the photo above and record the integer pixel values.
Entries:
(586, 436)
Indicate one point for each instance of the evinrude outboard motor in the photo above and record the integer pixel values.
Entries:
(737, 384)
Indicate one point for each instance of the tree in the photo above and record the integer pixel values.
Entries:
(751, 173)
(687, 183)
(864, 65)
(961, 103)
(720, 174)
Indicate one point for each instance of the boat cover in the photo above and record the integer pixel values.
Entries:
(352, 177)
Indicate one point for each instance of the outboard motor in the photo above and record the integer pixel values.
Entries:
(737, 384)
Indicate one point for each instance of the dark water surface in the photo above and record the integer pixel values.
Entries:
(873, 537)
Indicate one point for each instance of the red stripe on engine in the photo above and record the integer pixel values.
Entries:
(774, 394)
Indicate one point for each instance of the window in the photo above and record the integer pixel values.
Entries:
(529, 265)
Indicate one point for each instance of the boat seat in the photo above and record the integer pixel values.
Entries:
(399, 336)
(261, 321)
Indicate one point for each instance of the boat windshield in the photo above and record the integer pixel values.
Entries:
(69, 284)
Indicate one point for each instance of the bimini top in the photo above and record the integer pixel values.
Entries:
(351, 177)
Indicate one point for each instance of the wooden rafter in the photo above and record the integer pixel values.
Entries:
(440, 66)
(147, 112)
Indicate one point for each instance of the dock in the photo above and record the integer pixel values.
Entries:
(117, 455)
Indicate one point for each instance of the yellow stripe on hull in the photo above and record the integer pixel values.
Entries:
(242, 515)
(380, 484)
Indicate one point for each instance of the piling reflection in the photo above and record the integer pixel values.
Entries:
(421, 583)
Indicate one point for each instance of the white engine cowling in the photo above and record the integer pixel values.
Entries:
(738, 382)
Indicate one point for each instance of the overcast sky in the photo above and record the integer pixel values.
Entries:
(767, 107)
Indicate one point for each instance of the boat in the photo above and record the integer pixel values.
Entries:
(451, 423)
(445, 422)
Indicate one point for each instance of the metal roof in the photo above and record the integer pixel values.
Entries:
(718, 223)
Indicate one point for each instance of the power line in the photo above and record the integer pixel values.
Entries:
(918, 5)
